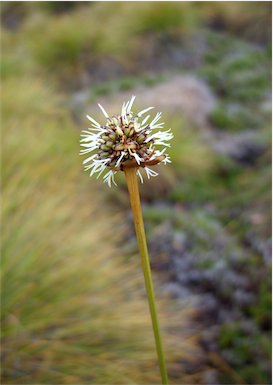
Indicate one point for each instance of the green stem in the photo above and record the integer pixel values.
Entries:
(131, 177)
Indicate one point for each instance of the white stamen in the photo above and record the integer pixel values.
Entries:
(110, 177)
(97, 129)
(159, 137)
(130, 104)
(167, 159)
(120, 158)
(97, 164)
(143, 111)
(82, 152)
(101, 172)
(138, 159)
(93, 121)
(140, 176)
(103, 111)
(150, 172)
(88, 133)
(157, 153)
(156, 119)
(89, 137)
(90, 158)
(90, 145)
(125, 118)
(145, 120)
(123, 110)
(161, 143)
(159, 125)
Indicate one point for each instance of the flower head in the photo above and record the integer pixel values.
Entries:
(124, 141)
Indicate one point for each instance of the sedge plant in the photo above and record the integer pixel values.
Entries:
(127, 143)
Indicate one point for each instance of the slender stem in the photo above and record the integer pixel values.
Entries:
(131, 177)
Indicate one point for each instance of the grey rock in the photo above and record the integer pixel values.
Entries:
(179, 241)
(210, 377)
(243, 297)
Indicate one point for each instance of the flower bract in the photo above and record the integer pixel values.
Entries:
(125, 140)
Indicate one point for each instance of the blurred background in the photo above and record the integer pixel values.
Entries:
(74, 307)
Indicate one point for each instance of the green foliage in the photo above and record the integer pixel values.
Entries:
(229, 333)
(66, 47)
(262, 312)
(241, 118)
(246, 354)
(240, 75)
(237, 71)
(220, 118)
(166, 17)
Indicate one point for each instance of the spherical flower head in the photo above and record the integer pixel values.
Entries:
(125, 141)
